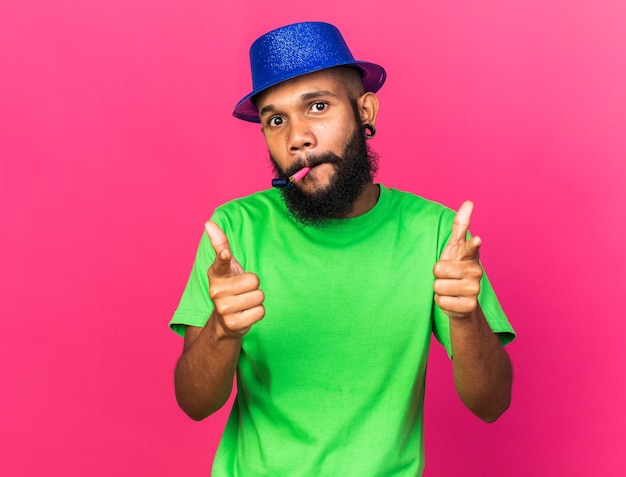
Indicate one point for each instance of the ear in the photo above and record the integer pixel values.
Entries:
(368, 108)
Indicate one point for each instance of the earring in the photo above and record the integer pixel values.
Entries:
(369, 130)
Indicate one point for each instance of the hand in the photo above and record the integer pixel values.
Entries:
(235, 294)
(458, 271)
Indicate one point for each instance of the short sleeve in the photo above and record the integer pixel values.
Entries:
(195, 306)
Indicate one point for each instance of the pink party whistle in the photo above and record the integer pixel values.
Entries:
(283, 182)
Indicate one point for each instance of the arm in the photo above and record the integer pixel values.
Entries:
(483, 374)
(204, 373)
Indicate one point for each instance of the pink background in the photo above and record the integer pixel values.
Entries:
(116, 143)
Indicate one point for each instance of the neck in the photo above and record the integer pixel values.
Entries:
(366, 201)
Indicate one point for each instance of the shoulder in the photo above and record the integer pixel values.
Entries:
(419, 219)
(262, 200)
(412, 204)
(260, 207)
(253, 216)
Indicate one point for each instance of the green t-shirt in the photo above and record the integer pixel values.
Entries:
(331, 381)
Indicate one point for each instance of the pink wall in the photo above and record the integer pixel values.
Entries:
(116, 142)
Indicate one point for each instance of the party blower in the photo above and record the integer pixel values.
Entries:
(283, 182)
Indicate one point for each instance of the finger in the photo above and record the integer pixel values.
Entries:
(239, 303)
(232, 286)
(457, 269)
(471, 248)
(456, 307)
(456, 288)
(240, 323)
(224, 262)
(462, 222)
(217, 237)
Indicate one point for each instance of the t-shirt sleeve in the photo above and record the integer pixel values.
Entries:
(487, 300)
(492, 310)
(195, 306)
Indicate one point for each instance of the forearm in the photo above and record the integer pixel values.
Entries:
(205, 371)
(483, 374)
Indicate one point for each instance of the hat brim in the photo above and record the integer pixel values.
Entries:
(373, 76)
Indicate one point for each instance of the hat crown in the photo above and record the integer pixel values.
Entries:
(291, 50)
(298, 49)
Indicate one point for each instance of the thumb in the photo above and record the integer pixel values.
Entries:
(224, 262)
(471, 248)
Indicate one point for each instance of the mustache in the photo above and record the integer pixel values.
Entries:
(312, 161)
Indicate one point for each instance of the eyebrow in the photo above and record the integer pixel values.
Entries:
(305, 97)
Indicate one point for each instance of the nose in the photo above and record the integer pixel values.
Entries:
(300, 137)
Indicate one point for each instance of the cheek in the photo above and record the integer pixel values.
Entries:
(277, 149)
(335, 136)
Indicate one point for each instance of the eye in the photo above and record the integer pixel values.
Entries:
(275, 121)
(318, 107)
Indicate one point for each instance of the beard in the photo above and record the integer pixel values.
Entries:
(353, 171)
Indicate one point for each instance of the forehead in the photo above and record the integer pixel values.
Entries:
(298, 89)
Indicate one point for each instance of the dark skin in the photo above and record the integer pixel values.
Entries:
(307, 115)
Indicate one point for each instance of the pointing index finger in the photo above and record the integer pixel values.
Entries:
(461, 223)
(216, 236)
(224, 261)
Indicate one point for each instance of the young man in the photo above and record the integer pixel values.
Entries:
(321, 298)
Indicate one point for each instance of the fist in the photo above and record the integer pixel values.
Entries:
(235, 293)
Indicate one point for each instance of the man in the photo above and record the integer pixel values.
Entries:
(321, 297)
